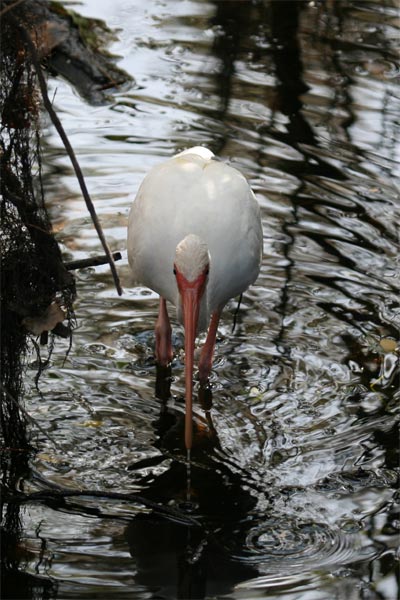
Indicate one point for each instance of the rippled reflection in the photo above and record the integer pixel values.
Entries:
(293, 475)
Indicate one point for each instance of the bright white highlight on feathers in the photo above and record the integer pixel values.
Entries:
(199, 151)
(191, 257)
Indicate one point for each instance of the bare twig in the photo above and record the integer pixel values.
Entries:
(90, 262)
(61, 494)
(235, 315)
(67, 145)
(10, 7)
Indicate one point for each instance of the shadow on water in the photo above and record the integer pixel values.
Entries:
(190, 562)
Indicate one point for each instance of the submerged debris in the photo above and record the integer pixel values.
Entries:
(53, 315)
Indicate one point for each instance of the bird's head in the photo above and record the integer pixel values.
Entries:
(191, 268)
(191, 257)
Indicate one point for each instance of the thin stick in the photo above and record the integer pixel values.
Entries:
(60, 493)
(10, 7)
(236, 313)
(67, 145)
(90, 262)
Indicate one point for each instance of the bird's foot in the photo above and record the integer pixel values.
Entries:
(163, 382)
(205, 397)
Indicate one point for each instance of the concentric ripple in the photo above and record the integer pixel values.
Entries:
(283, 543)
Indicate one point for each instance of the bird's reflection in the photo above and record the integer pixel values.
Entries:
(180, 561)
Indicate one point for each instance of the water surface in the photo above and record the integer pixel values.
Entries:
(294, 466)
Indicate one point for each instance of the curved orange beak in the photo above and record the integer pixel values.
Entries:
(191, 293)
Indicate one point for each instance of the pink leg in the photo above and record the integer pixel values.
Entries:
(206, 356)
(164, 352)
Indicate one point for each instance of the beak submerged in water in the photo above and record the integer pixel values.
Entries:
(191, 293)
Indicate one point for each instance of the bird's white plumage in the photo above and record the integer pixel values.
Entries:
(193, 194)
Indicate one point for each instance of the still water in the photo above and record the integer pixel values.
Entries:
(293, 480)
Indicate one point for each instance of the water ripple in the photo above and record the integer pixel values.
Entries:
(296, 456)
(298, 543)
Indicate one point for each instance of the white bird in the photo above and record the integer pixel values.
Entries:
(195, 238)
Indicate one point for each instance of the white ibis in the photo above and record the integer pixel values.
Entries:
(195, 238)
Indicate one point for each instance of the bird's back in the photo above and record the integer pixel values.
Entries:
(191, 193)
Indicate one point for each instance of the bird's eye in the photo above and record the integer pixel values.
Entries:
(207, 271)
(174, 271)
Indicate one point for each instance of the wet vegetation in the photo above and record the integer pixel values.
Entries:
(38, 289)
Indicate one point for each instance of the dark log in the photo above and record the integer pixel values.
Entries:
(71, 46)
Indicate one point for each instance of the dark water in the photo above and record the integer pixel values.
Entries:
(293, 481)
